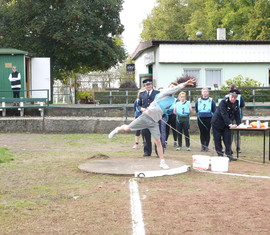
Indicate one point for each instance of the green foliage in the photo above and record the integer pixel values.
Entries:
(240, 81)
(5, 156)
(78, 36)
(83, 94)
(167, 21)
(258, 27)
(182, 19)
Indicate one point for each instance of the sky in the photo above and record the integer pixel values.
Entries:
(134, 11)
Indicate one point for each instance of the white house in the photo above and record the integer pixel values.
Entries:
(212, 62)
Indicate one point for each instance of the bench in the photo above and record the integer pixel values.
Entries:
(39, 103)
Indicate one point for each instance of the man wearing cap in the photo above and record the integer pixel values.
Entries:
(241, 107)
(227, 111)
(145, 99)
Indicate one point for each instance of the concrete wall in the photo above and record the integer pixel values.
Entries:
(64, 125)
(94, 120)
(60, 124)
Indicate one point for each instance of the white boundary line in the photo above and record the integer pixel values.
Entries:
(136, 209)
(235, 174)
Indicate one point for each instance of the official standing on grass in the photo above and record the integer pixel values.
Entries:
(227, 111)
(205, 107)
(15, 80)
(241, 107)
(145, 99)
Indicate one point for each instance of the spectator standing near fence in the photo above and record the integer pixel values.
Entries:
(15, 79)
(171, 121)
(205, 107)
(182, 110)
(137, 113)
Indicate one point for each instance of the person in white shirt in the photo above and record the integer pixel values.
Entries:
(15, 79)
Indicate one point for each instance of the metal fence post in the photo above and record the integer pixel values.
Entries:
(110, 97)
(126, 97)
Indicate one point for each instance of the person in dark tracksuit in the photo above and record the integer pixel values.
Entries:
(241, 107)
(205, 107)
(227, 111)
(145, 99)
(137, 113)
(171, 121)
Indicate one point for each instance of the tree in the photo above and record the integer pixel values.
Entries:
(182, 19)
(258, 26)
(166, 21)
(78, 35)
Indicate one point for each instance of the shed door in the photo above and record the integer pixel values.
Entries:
(40, 77)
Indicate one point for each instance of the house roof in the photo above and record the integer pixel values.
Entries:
(143, 46)
(8, 51)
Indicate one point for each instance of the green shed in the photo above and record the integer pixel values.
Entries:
(11, 57)
(35, 73)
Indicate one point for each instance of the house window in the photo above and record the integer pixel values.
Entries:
(194, 73)
(213, 78)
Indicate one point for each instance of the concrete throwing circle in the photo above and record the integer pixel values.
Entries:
(133, 167)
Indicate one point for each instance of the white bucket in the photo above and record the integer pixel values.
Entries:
(220, 164)
(200, 162)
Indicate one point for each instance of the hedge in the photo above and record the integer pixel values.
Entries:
(119, 97)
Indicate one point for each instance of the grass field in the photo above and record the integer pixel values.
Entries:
(42, 191)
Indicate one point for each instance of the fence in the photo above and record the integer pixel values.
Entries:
(64, 94)
(121, 96)
(36, 93)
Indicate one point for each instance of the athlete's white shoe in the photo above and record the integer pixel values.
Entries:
(112, 134)
(163, 165)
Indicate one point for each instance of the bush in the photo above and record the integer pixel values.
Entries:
(240, 81)
(128, 84)
(83, 94)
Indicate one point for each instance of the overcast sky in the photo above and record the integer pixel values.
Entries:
(134, 11)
